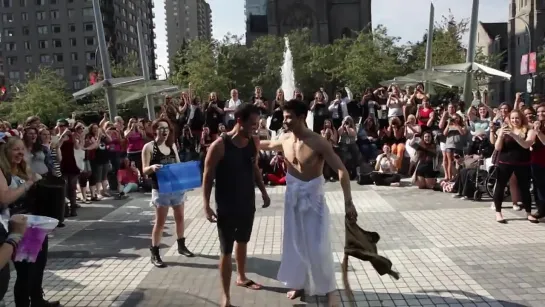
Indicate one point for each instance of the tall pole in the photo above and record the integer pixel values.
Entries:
(145, 67)
(429, 44)
(105, 59)
(471, 52)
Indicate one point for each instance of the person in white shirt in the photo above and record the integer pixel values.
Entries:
(232, 104)
(338, 110)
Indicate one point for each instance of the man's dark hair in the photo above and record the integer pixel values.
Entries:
(245, 110)
(298, 107)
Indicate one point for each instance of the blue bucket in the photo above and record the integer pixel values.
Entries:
(179, 177)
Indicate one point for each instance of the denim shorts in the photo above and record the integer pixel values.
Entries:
(167, 199)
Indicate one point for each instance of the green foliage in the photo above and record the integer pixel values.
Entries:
(360, 61)
(43, 94)
(129, 67)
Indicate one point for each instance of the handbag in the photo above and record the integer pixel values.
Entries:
(179, 177)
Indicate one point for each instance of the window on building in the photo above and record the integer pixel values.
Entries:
(40, 2)
(56, 28)
(89, 41)
(90, 56)
(77, 85)
(43, 44)
(9, 32)
(28, 59)
(26, 31)
(74, 56)
(58, 57)
(10, 46)
(53, 2)
(88, 11)
(73, 42)
(70, 13)
(7, 3)
(41, 15)
(12, 61)
(8, 17)
(75, 70)
(55, 14)
(15, 75)
(22, 3)
(45, 59)
(57, 43)
(28, 46)
(89, 27)
(59, 72)
(72, 27)
(42, 30)
(24, 16)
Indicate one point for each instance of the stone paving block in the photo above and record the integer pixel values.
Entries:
(449, 253)
(473, 227)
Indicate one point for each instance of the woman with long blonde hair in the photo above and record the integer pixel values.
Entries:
(513, 144)
(16, 179)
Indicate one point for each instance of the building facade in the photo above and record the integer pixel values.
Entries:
(492, 40)
(62, 34)
(526, 32)
(327, 19)
(186, 20)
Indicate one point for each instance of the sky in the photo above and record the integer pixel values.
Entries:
(407, 19)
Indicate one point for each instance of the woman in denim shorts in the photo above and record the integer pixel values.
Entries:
(162, 151)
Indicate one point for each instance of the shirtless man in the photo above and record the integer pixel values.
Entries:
(307, 261)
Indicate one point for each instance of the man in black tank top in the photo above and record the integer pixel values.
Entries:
(232, 162)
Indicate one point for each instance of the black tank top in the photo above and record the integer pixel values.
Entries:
(235, 189)
(157, 157)
(512, 153)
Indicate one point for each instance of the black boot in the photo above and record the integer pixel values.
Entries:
(73, 212)
(156, 257)
(182, 249)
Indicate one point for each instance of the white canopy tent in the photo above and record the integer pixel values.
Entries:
(472, 67)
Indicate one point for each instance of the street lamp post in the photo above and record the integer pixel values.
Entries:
(165, 71)
(470, 57)
(529, 33)
(105, 59)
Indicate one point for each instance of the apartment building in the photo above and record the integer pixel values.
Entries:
(186, 20)
(526, 33)
(492, 41)
(62, 34)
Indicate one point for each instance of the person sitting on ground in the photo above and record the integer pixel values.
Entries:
(127, 176)
(385, 169)
(278, 174)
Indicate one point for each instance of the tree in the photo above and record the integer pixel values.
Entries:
(446, 46)
(129, 67)
(201, 69)
(371, 58)
(43, 94)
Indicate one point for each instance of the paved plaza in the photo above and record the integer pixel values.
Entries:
(449, 252)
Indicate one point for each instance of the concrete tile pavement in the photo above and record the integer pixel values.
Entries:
(449, 253)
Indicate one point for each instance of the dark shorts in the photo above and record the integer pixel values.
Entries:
(426, 170)
(234, 228)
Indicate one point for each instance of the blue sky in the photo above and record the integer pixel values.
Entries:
(407, 19)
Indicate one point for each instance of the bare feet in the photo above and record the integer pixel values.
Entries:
(226, 302)
(250, 284)
(295, 294)
(500, 219)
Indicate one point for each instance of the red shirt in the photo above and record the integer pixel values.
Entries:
(125, 176)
